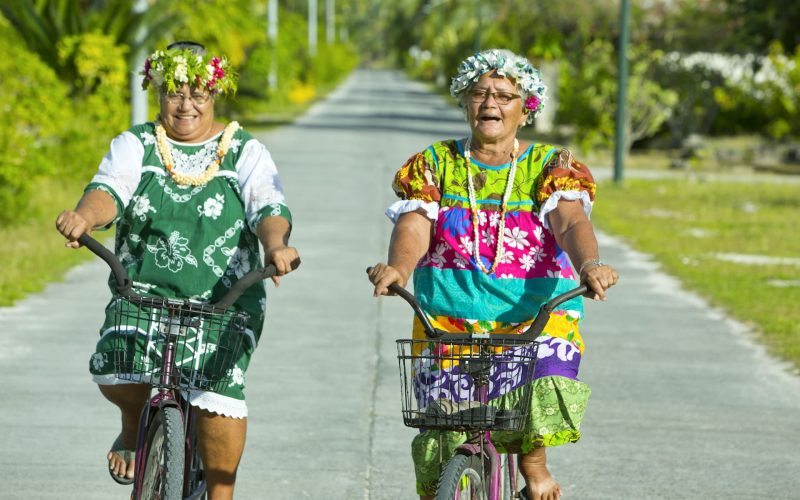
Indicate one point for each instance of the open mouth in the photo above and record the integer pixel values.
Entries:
(489, 119)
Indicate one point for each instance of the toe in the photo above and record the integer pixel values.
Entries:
(130, 471)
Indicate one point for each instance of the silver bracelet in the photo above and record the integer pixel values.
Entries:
(591, 262)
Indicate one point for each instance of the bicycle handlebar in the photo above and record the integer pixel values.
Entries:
(530, 334)
(243, 284)
(124, 283)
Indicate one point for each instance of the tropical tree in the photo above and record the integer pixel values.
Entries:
(53, 29)
(230, 27)
(589, 96)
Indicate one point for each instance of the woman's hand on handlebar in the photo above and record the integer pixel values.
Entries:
(382, 275)
(284, 258)
(599, 278)
(72, 225)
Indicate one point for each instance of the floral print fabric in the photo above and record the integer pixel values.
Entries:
(190, 242)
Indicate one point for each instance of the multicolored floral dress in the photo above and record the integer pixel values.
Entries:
(459, 297)
(192, 242)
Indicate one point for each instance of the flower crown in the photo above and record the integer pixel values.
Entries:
(172, 68)
(507, 64)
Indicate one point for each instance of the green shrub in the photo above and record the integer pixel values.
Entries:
(766, 100)
(333, 62)
(588, 96)
(300, 77)
(36, 107)
(101, 98)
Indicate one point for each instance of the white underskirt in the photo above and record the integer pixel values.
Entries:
(209, 401)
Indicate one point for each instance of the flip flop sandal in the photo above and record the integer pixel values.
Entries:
(126, 455)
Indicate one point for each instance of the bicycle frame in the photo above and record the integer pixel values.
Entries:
(168, 397)
(480, 443)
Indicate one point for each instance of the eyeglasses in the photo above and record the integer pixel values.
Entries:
(479, 96)
(198, 98)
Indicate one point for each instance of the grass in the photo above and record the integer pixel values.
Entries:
(33, 253)
(684, 224)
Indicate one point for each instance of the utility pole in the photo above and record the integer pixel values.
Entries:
(476, 47)
(272, 37)
(622, 88)
(312, 28)
(330, 21)
(138, 96)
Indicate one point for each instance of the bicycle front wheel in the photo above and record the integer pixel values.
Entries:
(462, 479)
(164, 457)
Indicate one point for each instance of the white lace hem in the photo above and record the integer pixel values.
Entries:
(217, 403)
(552, 203)
(401, 207)
(209, 401)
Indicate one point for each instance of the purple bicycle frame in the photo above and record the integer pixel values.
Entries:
(485, 446)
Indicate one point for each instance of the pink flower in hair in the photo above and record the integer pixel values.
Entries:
(218, 72)
(532, 103)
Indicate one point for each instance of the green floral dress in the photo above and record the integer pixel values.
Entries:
(190, 242)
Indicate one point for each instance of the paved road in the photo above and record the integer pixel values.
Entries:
(685, 404)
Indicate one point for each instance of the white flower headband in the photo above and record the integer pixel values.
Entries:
(507, 64)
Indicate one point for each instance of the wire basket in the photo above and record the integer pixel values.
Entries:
(463, 386)
(176, 343)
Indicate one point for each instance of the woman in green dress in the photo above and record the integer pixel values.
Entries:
(192, 199)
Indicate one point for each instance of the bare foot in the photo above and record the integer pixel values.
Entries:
(547, 489)
(120, 459)
(541, 485)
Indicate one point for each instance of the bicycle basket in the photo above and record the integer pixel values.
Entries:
(474, 385)
(177, 343)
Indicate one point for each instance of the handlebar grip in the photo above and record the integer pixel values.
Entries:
(430, 331)
(243, 284)
(543, 316)
(123, 282)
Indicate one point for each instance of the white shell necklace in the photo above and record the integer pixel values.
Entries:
(165, 151)
(473, 207)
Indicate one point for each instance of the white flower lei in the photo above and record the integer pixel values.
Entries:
(508, 64)
(169, 163)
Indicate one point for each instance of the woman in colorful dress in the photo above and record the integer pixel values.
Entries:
(489, 225)
(192, 199)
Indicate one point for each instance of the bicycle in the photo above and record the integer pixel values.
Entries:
(167, 464)
(461, 400)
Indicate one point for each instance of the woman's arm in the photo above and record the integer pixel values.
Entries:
(95, 209)
(411, 238)
(574, 233)
(273, 232)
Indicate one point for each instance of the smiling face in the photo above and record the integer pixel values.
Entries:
(490, 120)
(183, 118)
